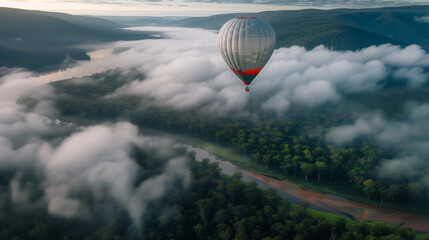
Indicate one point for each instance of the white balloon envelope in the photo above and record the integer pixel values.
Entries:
(246, 44)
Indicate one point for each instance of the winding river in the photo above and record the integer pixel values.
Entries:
(320, 201)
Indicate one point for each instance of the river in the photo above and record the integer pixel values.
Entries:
(320, 201)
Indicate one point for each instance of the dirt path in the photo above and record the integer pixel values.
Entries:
(334, 204)
(321, 201)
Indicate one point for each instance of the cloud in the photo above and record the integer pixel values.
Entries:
(315, 92)
(416, 76)
(20, 131)
(15, 83)
(97, 160)
(362, 127)
(424, 19)
(22, 135)
(409, 135)
(185, 70)
(96, 163)
(405, 165)
(154, 188)
(278, 103)
(74, 172)
(411, 129)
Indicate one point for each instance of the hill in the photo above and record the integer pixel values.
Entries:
(42, 40)
(339, 29)
(132, 21)
(38, 40)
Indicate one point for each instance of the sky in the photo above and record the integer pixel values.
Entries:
(190, 7)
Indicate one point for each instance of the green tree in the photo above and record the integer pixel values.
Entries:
(369, 187)
(307, 168)
(415, 191)
(199, 230)
(321, 167)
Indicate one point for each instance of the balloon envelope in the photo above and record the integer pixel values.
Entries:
(246, 44)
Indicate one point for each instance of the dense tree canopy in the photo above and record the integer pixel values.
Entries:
(289, 144)
(214, 206)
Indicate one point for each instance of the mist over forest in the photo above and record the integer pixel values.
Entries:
(73, 147)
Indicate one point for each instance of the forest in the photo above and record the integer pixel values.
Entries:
(79, 165)
(212, 206)
(289, 145)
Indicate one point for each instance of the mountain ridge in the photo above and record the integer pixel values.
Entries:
(41, 40)
(352, 29)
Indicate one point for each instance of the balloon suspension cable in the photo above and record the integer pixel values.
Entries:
(246, 89)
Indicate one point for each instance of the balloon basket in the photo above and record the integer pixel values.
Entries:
(246, 89)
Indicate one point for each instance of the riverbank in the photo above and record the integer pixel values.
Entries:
(330, 202)
(245, 163)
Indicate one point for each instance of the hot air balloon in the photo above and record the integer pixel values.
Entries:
(246, 44)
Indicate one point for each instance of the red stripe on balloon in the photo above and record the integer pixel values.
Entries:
(252, 72)
(248, 72)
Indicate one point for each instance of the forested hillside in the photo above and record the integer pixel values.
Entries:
(339, 29)
(41, 40)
